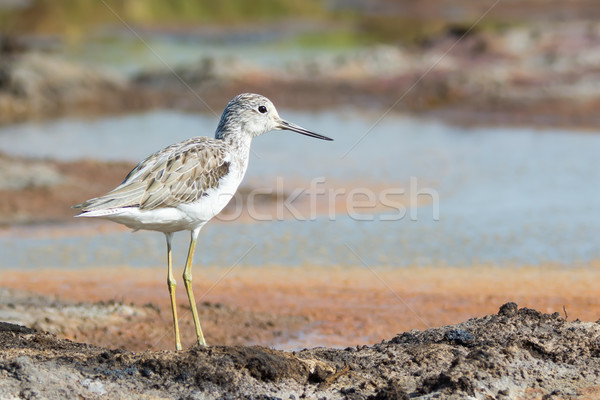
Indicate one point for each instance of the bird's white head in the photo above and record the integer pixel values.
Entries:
(252, 114)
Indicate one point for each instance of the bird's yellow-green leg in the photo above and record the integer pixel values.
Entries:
(187, 280)
(172, 284)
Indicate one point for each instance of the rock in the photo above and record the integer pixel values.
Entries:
(207, 69)
(508, 309)
(39, 84)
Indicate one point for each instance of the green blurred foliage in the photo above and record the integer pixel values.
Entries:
(346, 26)
(76, 17)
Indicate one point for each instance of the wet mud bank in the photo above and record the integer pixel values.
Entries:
(516, 353)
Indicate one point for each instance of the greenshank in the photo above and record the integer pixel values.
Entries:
(183, 186)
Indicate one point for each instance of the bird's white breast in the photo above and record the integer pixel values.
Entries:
(217, 198)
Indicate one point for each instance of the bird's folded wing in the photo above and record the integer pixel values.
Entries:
(167, 179)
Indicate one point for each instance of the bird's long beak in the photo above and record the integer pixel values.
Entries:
(295, 128)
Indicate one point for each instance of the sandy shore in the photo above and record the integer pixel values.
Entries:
(303, 307)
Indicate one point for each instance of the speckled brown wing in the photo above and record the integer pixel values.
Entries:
(184, 178)
(181, 173)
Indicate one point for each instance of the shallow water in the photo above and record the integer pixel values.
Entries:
(506, 195)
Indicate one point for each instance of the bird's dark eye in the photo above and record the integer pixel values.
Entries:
(262, 109)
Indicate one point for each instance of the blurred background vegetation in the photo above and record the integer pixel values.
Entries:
(406, 22)
(530, 51)
(76, 17)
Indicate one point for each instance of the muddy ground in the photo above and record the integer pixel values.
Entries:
(282, 307)
(127, 328)
(516, 353)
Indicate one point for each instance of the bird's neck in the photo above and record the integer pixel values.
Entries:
(239, 142)
(239, 146)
